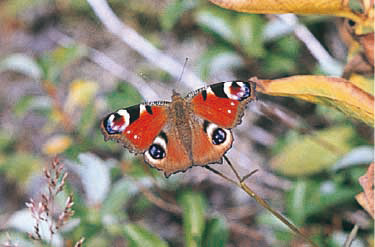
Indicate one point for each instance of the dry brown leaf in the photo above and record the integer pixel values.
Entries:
(330, 91)
(366, 198)
(367, 42)
(322, 7)
(360, 41)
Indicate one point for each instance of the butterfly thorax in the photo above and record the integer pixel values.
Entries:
(180, 114)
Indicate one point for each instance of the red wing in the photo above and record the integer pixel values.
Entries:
(176, 160)
(136, 126)
(204, 151)
(222, 103)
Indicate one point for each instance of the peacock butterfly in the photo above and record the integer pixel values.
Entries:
(189, 131)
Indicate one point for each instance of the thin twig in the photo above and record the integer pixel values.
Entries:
(352, 236)
(248, 175)
(141, 45)
(222, 175)
(233, 169)
(241, 184)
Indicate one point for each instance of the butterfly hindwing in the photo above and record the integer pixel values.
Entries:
(136, 126)
(222, 103)
(167, 153)
(210, 142)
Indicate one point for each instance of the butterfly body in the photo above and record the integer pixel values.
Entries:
(191, 130)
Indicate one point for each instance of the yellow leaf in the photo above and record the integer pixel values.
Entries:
(366, 24)
(363, 83)
(330, 91)
(303, 155)
(319, 7)
(81, 92)
(57, 144)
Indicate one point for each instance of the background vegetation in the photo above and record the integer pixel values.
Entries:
(62, 70)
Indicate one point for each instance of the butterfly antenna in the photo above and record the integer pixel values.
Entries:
(183, 69)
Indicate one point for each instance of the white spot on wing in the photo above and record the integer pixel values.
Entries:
(240, 83)
(239, 94)
(161, 142)
(110, 119)
(209, 90)
(227, 86)
(142, 108)
(124, 113)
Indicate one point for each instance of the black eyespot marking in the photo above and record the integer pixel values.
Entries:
(149, 109)
(218, 90)
(133, 113)
(241, 92)
(156, 151)
(218, 136)
(205, 125)
(164, 136)
(204, 95)
(107, 124)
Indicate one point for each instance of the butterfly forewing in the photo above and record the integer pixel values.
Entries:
(222, 103)
(136, 126)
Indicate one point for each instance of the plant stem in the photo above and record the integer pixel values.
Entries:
(241, 184)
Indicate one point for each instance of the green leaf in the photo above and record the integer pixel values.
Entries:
(304, 155)
(54, 62)
(139, 236)
(193, 205)
(282, 56)
(278, 64)
(6, 141)
(20, 166)
(22, 105)
(23, 64)
(173, 12)
(95, 175)
(310, 197)
(119, 194)
(124, 95)
(248, 30)
(87, 120)
(297, 202)
(216, 233)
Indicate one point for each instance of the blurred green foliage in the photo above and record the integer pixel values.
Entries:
(318, 193)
